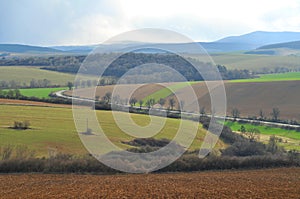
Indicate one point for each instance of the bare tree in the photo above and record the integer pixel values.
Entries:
(182, 103)
(202, 110)
(162, 101)
(171, 103)
(272, 144)
(107, 97)
(116, 99)
(261, 114)
(235, 113)
(253, 134)
(150, 102)
(132, 101)
(141, 103)
(275, 114)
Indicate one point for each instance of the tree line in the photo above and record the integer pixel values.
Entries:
(34, 83)
(125, 62)
(262, 116)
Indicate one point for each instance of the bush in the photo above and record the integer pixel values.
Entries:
(21, 125)
(245, 149)
(6, 152)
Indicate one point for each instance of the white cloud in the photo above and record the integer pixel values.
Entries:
(88, 22)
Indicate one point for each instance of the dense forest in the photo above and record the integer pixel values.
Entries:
(125, 62)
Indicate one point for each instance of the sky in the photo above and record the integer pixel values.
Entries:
(84, 22)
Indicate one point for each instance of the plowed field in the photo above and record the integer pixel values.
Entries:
(270, 183)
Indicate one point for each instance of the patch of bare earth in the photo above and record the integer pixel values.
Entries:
(268, 183)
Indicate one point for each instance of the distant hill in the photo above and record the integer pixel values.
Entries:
(18, 48)
(74, 49)
(292, 45)
(287, 48)
(261, 38)
(246, 42)
(211, 47)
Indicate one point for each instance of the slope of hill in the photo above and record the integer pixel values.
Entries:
(23, 75)
(291, 45)
(244, 42)
(18, 48)
(261, 38)
(250, 97)
(59, 131)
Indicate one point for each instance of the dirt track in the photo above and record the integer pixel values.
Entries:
(271, 183)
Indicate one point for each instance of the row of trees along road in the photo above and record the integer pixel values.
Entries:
(235, 113)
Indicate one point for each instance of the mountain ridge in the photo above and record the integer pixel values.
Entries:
(245, 42)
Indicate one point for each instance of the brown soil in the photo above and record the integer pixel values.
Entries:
(269, 183)
(250, 97)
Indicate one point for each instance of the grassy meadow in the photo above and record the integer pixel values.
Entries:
(25, 74)
(165, 92)
(54, 129)
(251, 62)
(291, 138)
(40, 92)
(290, 76)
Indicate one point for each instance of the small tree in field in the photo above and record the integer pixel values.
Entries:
(70, 85)
(253, 134)
(243, 129)
(272, 144)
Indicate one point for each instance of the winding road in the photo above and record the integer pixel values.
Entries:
(267, 123)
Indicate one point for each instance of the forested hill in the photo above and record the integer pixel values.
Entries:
(291, 45)
(18, 48)
(125, 62)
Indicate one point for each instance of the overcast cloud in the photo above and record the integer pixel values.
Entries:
(68, 22)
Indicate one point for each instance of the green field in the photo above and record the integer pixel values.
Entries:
(24, 74)
(40, 92)
(165, 92)
(290, 76)
(53, 128)
(235, 126)
(255, 63)
(292, 136)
